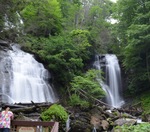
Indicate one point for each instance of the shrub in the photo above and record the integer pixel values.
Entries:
(145, 100)
(75, 100)
(144, 127)
(55, 113)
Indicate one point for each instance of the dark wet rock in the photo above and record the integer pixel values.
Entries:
(80, 122)
(146, 117)
(4, 45)
(80, 126)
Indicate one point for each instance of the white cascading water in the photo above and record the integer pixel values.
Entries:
(29, 79)
(109, 65)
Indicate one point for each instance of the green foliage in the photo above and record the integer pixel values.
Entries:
(71, 12)
(75, 100)
(80, 39)
(55, 113)
(142, 100)
(95, 20)
(40, 20)
(10, 26)
(145, 100)
(132, 31)
(144, 127)
(86, 88)
(64, 34)
(64, 56)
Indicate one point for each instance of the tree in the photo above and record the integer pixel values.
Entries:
(133, 21)
(65, 56)
(42, 18)
(95, 19)
(71, 10)
(10, 25)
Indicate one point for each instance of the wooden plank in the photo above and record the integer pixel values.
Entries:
(31, 123)
(55, 127)
(26, 129)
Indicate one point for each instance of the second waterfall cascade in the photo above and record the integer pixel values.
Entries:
(29, 80)
(112, 84)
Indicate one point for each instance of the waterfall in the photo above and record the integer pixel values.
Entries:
(68, 124)
(112, 78)
(28, 79)
(94, 130)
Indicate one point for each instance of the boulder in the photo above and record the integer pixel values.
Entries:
(80, 122)
(96, 122)
(125, 121)
(105, 124)
(4, 45)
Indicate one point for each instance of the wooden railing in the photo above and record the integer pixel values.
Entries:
(34, 126)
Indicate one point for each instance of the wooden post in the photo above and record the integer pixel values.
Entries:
(55, 127)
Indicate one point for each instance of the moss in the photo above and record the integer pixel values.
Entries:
(115, 113)
(124, 115)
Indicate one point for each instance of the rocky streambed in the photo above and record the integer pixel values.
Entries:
(94, 119)
(103, 119)
(98, 118)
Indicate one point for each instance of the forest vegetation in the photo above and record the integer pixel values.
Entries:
(65, 35)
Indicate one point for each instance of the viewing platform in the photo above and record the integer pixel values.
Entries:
(34, 126)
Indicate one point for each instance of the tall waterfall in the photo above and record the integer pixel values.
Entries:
(28, 79)
(112, 78)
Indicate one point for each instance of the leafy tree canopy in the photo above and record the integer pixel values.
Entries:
(65, 56)
(133, 32)
(42, 17)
